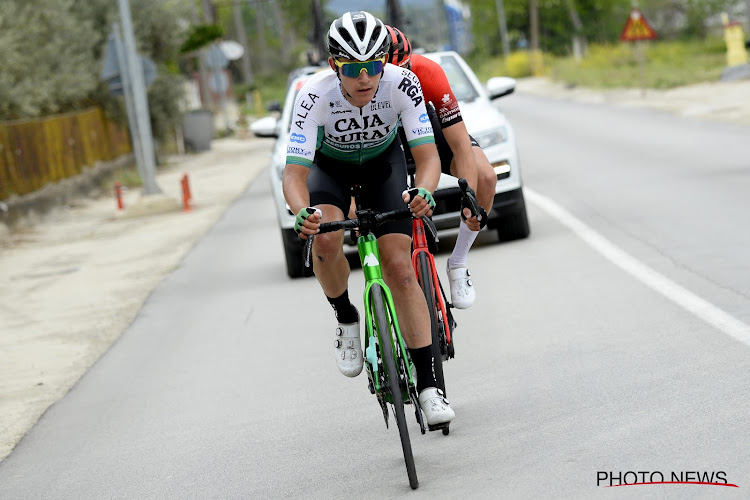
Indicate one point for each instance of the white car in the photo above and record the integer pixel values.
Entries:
(484, 122)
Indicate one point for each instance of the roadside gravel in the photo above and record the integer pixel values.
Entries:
(715, 101)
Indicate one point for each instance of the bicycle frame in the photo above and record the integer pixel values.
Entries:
(419, 243)
(369, 256)
(390, 370)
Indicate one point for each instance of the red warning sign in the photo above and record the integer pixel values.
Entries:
(637, 28)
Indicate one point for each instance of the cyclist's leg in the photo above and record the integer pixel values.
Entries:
(381, 190)
(394, 244)
(486, 179)
(330, 194)
(462, 289)
(398, 273)
(414, 320)
(329, 263)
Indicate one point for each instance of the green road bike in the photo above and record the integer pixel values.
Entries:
(389, 367)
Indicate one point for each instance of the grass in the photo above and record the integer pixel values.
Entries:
(666, 64)
(271, 88)
(127, 176)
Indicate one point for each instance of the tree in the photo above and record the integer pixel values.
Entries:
(49, 62)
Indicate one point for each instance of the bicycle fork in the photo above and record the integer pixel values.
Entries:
(377, 378)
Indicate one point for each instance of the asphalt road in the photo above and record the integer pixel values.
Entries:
(574, 359)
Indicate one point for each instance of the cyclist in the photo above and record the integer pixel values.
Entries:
(344, 132)
(460, 156)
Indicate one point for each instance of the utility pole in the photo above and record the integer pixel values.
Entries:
(393, 15)
(208, 11)
(318, 41)
(239, 28)
(503, 25)
(579, 40)
(140, 101)
(534, 55)
(533, 26)
(127, 91)
(208, 16)
(261, 32)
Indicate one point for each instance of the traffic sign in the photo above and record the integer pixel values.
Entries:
(112, 73)
(637, 28)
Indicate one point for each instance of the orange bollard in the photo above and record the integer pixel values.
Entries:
(186, 196)
(118, 195)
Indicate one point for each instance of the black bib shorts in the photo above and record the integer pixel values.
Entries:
(381, 181)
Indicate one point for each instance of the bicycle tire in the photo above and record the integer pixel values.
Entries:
(387, 351)
(428, 287)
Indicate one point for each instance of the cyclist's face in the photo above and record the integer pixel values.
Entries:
(360, 90)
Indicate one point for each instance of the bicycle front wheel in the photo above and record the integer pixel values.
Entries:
(428, 287)
(388, 354)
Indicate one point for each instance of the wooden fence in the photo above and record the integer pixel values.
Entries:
(34, 153)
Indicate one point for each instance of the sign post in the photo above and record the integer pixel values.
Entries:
(140, 102)
(636, 30)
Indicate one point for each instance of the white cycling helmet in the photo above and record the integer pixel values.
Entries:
(358, 35)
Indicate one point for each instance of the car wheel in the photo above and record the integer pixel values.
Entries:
(293, 248)
(515, 225)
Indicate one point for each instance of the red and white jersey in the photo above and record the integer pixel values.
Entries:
(436, 89)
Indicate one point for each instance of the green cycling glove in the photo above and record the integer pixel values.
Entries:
(424, 194)
(302, 216)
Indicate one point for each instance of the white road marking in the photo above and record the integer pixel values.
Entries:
(679, 295)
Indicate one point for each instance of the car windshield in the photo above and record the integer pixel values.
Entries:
(460, 83)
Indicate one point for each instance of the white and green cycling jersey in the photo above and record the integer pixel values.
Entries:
(324, 120)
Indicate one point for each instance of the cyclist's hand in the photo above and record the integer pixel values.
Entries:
(474, 216)
(470, 220)
(475, 222)
(307, 222)
(420, 201)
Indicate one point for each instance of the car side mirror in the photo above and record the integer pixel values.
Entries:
(500, 86)
(274, 106)
(265, 127)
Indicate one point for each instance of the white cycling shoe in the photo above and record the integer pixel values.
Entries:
(463, 294)
(348, 349)
(435, 407)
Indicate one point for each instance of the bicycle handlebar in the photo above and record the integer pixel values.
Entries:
(367, 220)
(374, 219)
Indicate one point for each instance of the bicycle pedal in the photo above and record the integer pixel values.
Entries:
(437, 427)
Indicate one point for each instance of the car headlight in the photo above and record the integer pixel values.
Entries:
(497, 136)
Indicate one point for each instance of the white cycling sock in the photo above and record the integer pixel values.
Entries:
(464, 241)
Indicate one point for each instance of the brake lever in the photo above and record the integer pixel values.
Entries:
(307, 251)
(468, 197)
(431, 227)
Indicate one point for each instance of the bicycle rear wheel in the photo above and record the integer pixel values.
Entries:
(428, 287)
(387, 352)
